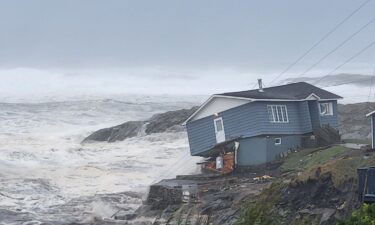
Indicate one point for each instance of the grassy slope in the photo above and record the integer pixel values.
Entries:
(302, 166)
(309, 158)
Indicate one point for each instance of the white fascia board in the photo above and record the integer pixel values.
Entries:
(370, 114)
(312, 96)
(209, 100)
(199, 109)
(225, 96)
(330, 99)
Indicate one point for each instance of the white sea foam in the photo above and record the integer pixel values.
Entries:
(44, 170)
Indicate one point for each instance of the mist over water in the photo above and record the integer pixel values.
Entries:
(41, 85)
(26, 85)
(47, 175)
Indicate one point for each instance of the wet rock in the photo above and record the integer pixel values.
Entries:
(117, 133)
(128, 216)
(164, 122)
(164, 194)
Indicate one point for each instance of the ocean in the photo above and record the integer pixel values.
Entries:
(48, 176)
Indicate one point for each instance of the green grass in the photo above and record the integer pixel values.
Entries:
(339, 161)
(262, 210)
(364, 216)
(309, 158)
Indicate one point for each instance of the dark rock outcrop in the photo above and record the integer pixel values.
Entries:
(162, 122)
(211, 199)
(118, 133)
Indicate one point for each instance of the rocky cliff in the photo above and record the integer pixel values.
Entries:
(312, 186)
(168, 121)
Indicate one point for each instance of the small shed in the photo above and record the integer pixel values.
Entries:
(372, 115)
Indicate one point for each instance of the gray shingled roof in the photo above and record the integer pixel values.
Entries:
(293, 91)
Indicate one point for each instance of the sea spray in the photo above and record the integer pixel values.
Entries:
(48, 176)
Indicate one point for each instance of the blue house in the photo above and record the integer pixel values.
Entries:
(263, 123)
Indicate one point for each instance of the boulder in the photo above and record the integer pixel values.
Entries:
(117, 133)
(163, 122)
(159, 123)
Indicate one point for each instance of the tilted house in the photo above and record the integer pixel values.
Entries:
(265, 122)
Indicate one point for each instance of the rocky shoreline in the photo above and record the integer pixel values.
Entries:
(276, 193)
(163, 122)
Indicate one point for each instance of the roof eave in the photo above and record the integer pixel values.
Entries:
(207, 101)
(370, 113)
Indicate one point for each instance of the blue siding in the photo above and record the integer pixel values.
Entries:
(252, 119)
(243, 120)
(262, 149)
(332, 120)
(252, 151)
(304, 117)
(201, 134)
(290, 142)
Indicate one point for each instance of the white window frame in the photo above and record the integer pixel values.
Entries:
(221, 124)
(329, 107)
(278, 141)
(275, 113)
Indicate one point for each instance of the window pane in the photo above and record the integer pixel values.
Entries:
(323, 108)
(285, 114)
(270, 115)
(275, 114)
(280, 113)
(329, 109)
(219, 125)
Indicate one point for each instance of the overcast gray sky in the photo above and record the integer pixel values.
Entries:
(169, 39)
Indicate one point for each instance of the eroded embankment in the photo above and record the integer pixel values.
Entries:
(313, 186)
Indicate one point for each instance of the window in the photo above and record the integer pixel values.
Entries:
(219, 125)
(277, 141)
(277, 114)
(326, 109)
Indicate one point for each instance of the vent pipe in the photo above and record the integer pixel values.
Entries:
(260, 84)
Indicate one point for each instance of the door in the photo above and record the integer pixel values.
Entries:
(219, 130)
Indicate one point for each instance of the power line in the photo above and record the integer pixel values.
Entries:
(346, 61)
(320, 41)
(337, 47)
